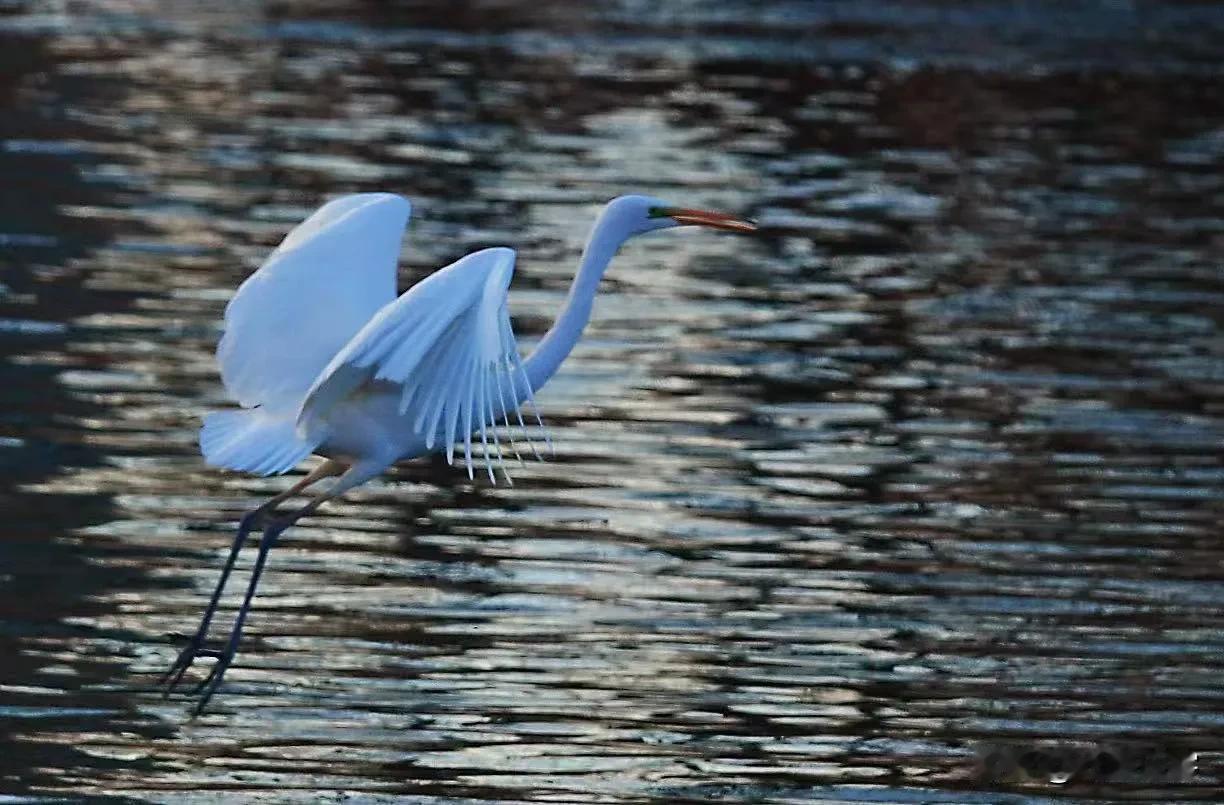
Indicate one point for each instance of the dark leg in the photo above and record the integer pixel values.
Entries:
(209, 686)
(249, 521)
(196, 646)
(353, 476)
(225, 656)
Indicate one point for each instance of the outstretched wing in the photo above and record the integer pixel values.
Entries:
(448, 349)
(328, 277)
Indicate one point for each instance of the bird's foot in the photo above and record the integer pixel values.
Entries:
(208, 687)
(174, 674)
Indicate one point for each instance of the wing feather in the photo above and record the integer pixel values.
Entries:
(449, 347)
(331, 273)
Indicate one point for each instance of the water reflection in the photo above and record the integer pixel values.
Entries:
(931, 466)
(62, 647)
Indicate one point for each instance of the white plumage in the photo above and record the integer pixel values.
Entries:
(322, 284)
(323, 358)
(445, 352)
(316, 345)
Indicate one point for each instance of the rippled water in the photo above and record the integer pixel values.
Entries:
(915, 497)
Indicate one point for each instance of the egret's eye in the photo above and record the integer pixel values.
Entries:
(656, 212)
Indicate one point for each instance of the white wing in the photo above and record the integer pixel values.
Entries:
(321, 285)
(447, 347)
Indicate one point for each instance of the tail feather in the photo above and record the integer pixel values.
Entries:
(252, 441)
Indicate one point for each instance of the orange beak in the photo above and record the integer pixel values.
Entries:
(714, 220)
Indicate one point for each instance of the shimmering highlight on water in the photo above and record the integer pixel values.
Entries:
(914, 497)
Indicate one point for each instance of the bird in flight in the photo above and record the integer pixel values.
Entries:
(325, 359)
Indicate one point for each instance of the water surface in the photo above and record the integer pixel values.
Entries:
(926, 477)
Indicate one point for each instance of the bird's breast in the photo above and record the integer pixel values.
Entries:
(369, 425)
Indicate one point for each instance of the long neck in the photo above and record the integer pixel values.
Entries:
(606, 237)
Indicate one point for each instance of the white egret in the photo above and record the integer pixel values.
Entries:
(324, 359)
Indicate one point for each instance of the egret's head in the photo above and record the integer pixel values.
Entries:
(638, 214)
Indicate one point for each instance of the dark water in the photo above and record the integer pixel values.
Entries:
(914, 498)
